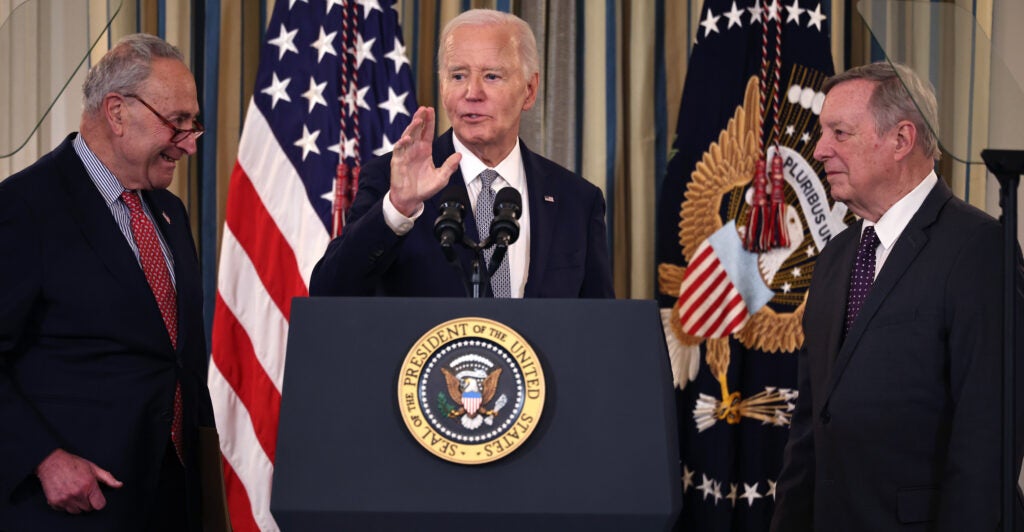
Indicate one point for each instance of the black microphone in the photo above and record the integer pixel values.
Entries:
(448, 227)
(508, 206)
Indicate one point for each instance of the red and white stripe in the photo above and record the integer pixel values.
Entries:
(471, 404)
(710, 306)
(272, 239)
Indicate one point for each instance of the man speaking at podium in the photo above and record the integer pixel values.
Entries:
(489, 71)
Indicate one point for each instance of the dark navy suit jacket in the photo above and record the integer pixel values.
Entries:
(85, 360)
(568, 241)
(898, 426)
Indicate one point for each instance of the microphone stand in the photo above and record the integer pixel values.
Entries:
(499, 254)
(1008, 165)
(478, 285)
(480, 275)
(453, 261)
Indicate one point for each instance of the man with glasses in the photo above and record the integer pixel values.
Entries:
(102, 348)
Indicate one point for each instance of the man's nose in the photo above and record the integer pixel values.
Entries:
(474, 88)
(190, 144)
(823, 149)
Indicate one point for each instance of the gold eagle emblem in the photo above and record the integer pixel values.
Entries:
(718, 184)
(471, 386)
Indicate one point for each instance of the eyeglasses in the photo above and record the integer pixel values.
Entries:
(179, 134)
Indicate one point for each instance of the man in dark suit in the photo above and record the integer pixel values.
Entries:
(102, 350)
(898, 421)
(489, 71)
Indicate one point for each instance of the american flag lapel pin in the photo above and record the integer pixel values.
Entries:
(166, 218)
(549, 199)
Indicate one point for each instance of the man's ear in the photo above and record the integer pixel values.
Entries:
(531, 91)
(906, 138)
(115, 112)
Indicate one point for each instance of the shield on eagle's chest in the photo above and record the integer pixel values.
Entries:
(471, 402)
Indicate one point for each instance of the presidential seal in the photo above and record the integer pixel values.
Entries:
(471, 390)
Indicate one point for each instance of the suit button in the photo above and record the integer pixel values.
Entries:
(826, 417)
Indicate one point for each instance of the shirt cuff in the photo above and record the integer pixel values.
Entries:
(398, 222)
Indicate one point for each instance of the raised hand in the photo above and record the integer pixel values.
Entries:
(414, 178)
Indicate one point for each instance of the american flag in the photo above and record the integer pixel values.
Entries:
(721, 287)
(334, 88)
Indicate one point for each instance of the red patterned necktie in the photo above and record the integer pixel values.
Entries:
(863, 276)
(155, 268)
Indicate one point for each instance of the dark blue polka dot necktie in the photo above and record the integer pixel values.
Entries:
(863, 276)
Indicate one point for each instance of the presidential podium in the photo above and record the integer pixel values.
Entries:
(602, 456)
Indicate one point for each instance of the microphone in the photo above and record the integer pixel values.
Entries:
(508, 206)
(448, 228)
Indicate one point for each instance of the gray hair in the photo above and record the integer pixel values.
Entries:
(125, 67)
(522, 36)
(900, 94)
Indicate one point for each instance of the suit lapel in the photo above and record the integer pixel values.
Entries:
(87, 208)
(835, 315)
(97, 225)
(542, 214)
(905, 251)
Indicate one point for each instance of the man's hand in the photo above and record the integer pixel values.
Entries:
(414, 179)
(70, 482)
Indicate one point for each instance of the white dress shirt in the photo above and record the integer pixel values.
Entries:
(891, 225)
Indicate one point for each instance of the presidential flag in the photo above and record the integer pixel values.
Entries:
(741, 167)
(333, 89)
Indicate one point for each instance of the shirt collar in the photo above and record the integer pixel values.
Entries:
(895, 220)
(108, 185)
(509, 168)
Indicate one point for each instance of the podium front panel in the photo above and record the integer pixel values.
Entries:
(603, 455)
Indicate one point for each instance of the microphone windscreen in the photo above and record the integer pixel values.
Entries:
(508, 197)
(448, 227)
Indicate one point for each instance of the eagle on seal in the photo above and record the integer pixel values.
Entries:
(468, 393)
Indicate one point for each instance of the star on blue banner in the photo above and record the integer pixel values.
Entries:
(335, 86)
